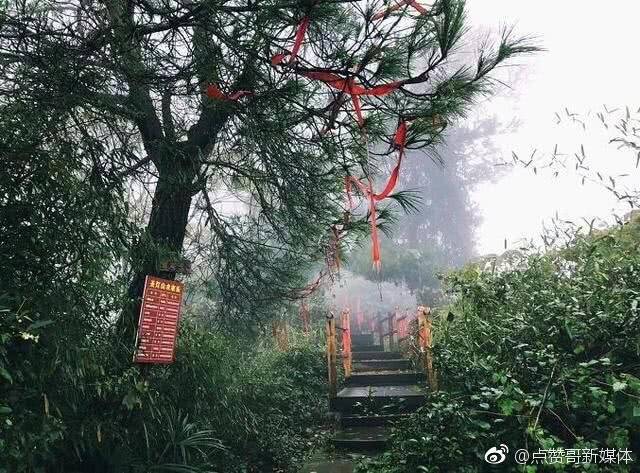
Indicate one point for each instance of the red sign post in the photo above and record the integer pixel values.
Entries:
(158, 322)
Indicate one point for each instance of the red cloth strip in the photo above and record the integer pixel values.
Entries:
(358, 109)
(400, 141)
(297, 43)
(302, 30)
(349, 86)
(400, 138)
(363, 189)
(214, 93)
(397, 6)
(380, 90)
(391, 183)
(331, 79)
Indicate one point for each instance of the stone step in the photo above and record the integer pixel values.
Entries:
(371, 347)
(376, 355)
(370, 421)
(362, 339)
(331, 462)
(378, 400)
(381, 365)
(384, 378)
(329, 466)
(361, 438)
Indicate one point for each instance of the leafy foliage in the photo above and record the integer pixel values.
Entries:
(131, 78)
(67, 400)
(103, 103)
(221, 407)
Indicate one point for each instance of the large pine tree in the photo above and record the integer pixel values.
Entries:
(131, 76)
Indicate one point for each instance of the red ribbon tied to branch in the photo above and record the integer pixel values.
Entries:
(214, 93)
(297, 43)
(399, 141)
(397, 6)
(349, 86)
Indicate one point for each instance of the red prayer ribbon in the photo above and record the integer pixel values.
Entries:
(375, 242)
(400, 141)
(354, 90)
(348, 85)
(397, 6)
(297, 43)
(214, 93)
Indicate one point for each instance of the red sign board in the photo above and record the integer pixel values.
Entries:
(158, 323)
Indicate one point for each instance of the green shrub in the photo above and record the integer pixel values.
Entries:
(220, 407)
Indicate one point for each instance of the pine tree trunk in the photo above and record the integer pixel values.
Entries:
(164, 235)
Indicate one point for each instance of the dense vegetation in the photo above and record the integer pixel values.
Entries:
(223, 406)
(115, 162)
(540, 352)
(70, 400)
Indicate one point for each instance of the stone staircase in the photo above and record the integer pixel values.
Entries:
(381, 389)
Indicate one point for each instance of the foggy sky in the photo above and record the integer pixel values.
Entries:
(590, 61)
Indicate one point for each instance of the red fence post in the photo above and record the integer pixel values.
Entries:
(346, 342)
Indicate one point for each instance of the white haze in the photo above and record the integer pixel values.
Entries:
(590, 60)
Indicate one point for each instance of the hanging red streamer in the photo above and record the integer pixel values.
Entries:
(399, 141)
(397, 6)
(214, 93)
(350, 87)
(375, 242)
(297, 43)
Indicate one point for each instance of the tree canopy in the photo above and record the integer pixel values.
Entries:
(127, 81)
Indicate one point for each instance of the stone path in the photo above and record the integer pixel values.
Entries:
(381, 389)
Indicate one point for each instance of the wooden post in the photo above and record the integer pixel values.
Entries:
(346, 342)
(331, 356)
(305, 315)
(280, 333)
(426, 345)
